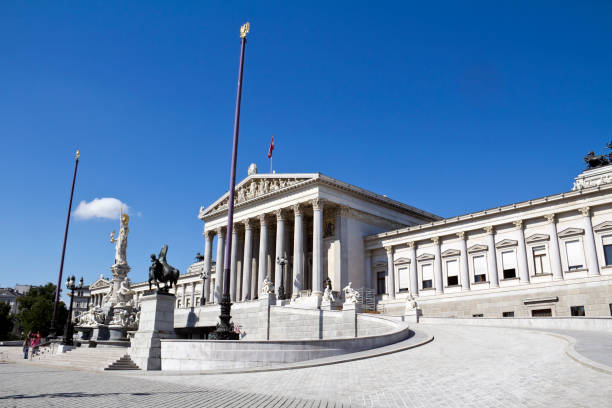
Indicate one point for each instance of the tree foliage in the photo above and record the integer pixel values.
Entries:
(6, 320)
(36, 310)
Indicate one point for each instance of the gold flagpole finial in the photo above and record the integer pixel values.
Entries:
(78, 154)
(244, 29)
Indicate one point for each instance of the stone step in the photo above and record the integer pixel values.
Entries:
(124, 363)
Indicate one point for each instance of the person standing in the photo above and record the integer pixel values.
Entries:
(26, 346)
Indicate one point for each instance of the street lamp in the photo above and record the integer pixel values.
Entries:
(282, 261)
(68, 330)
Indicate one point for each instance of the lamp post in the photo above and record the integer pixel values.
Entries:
(68, 330)
(282, 261)
(224, 328)
(52, 329)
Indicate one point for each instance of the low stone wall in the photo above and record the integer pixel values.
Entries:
(263, 320)
(561, 323)
(183, 354)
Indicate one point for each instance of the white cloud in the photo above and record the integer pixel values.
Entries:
(106, 207)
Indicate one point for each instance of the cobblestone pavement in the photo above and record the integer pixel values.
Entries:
(462, 367)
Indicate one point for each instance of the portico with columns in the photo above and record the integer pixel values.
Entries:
(313, 221)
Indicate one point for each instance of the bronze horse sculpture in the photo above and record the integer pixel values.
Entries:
(593, 161)
(160, 271)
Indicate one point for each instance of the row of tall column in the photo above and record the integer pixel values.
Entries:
(493, 275)
(253, 274)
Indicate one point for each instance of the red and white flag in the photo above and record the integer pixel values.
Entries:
(271, 149)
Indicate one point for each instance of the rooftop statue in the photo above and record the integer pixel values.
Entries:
(594, 161)
(160, 271)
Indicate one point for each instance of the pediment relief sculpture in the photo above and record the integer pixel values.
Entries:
(537, 238)
(477, 248)
(506, 243)
(604, 226)
(254, 188)
(400, 261)
(425, 257)
(451, 252)
(570, 232)
(100, 283)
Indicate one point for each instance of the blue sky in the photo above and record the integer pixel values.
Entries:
(452, 107)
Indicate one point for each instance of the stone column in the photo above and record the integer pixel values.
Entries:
(555, 254)
(246, 262)
(262, 269)
(463, 262)
(193, 286)
(280, 248)
(414, 275)
(208, 236)
(522, 253)
(233, 258)
(438, 265)
(219, 265)
(390, 273)
(298, 252)
(492, 258)
(317, 247)
(368, 269)
(183, 286)
(589, 243)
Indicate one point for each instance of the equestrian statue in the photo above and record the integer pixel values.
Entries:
(160, 271)
(593, 161)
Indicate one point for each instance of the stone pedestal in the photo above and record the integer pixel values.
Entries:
(349, 316)
(156, 322)
(412, 315)
(265, 301)
(326, 305)
(100, 332)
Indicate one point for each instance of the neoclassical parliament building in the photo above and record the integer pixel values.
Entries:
(550, 256)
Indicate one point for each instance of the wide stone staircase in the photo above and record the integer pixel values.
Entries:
(85, 358)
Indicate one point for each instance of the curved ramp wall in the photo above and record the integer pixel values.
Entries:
(199, 355)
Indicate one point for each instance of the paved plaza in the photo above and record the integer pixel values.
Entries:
(462, 367)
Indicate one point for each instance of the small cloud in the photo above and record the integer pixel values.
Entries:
(106, 207)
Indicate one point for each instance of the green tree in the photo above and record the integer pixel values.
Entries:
(36, 310)
(6, 320)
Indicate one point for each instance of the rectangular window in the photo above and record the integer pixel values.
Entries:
(575, 258)
(427, 273)
(480, 268)
(508, 314)
(404, 278)
(452, 272)
(541, 313)
(540, 260)
(607, 243)
(380, 283)
(478, 315)
(577, 310)
(509, 264)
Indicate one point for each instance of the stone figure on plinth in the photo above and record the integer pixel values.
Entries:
(411, 302)
(161, 271)
(351, 295)
(328, 295)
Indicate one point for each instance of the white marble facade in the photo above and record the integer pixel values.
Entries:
(521, 259)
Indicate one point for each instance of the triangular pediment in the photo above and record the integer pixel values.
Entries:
(570, 232)
(604, 226)
(425, 257)
(477, 248)
(402, 260)
(100, 283)
(451, 252)
(506, 243)
(196, 267)
(537, 238)
(256, 186)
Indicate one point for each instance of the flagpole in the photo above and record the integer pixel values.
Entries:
(52, 329)
(225, 327)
